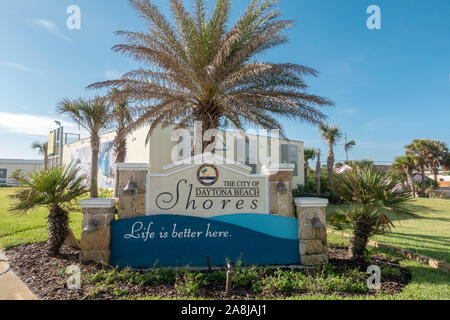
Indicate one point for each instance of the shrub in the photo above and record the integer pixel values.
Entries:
(309, 189)
(190, 283)
(370, 195)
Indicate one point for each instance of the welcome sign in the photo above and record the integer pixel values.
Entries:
(207, 189)
(208, 212)
(177, 241)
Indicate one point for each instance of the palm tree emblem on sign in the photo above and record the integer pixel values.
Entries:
(207, 175)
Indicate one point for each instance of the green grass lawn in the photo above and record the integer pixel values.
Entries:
(16, 230)
(428, 233)
(426, 283)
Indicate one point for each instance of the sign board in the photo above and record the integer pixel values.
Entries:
(3, 176)
(179, 240)
(51, 143)
(207, 189)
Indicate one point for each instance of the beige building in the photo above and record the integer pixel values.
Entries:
(8, 166)
(164, 148)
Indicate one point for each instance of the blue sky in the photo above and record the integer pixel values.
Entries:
(390, 85)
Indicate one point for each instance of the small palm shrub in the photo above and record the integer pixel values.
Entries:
(370, 195)
(54, 189)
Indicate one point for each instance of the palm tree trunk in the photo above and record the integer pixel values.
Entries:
(358, 243)
(412, 186)
(95, 143)
(422, 183)
(120, 150)
(330, 163)
(318, 173)
(206, 119)
(46, 161)
(58, 229)
(306, 172)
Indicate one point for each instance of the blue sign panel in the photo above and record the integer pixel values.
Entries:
(177, 241)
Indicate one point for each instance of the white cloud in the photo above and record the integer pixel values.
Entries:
(30, 124)
(50, 27)
(18, 66)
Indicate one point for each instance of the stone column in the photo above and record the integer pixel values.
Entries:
(132, 203)
(96, 224)
(311, 215)
(280, 188)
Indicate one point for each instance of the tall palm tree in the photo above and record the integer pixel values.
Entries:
(332, 135)
(201, 70)
(318, 173)
(446, 161)
(94, 116)
(309, 155)
(42, 148)
(405, 165)
(122, 116)
(369, 194)
(420, 151)
(437, 153)
(348, 146)
(54, 189)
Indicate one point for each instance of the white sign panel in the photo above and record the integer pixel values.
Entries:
(207, 190)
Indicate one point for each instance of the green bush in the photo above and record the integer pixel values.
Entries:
(257, 279)
(309, 189)
(284, 281)
(190, 283)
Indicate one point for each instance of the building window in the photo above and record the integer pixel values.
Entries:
(289, 154)
(3, 176)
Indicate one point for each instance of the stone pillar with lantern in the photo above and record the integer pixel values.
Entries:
(311, 216)
(96, 224)
(280, 188)
(132, 189)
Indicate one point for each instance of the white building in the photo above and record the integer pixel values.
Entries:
(8, 166)
(160, 147)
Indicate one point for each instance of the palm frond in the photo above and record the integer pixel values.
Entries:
(199, 69)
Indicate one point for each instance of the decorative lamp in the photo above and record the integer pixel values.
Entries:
(92, 225)
(281, 186)
(131, 186)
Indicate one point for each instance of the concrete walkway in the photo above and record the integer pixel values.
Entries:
(11, 287)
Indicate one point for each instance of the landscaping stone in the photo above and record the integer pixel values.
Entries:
(97, 240)
(314, 259)
(306, 232)
(314, 247)
(311, 216)
(280, 201)
(99, 256)
(103, 220)
(95, 244)
(132, 204)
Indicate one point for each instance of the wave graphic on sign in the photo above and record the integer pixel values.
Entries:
(194, 241)
(275, 226)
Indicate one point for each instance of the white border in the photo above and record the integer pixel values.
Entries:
(311, 202)
(97, 203)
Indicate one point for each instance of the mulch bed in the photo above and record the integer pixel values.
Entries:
(46, 278)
